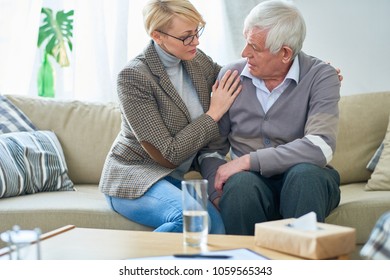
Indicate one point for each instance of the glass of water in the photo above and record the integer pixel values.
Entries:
(195, 212)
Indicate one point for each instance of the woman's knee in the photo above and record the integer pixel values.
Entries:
(216, 225)
(169, 220)
(109, 201)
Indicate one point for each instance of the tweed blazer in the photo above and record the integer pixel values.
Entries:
(154, 114)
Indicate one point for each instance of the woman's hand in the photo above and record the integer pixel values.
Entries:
(224, 93)
(338, 72)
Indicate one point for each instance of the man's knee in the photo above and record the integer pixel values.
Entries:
(307, 173)
(242, 202)
(308, 187)
(242, 183)
(304, 169)
(242, 190)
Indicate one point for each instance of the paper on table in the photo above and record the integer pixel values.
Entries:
(235, 254)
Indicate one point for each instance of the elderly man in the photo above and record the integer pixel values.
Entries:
(281, 130)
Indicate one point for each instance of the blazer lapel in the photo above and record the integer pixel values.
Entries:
(158, 70)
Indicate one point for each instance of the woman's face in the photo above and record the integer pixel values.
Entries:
(181, 29)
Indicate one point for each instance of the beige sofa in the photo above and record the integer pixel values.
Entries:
(87, 130)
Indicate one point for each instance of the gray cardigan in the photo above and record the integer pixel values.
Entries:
(301, 126)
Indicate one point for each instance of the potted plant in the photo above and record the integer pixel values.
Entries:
(55, 38)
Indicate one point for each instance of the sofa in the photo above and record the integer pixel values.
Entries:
(86, 131)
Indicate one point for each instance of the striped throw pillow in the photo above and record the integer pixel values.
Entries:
(375, 158)
(32, 162)
(12, 119)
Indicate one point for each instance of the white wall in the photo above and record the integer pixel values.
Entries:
(353, 35)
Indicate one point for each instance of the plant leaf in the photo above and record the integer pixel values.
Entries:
(55, 34)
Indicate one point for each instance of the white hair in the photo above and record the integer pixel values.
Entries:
(282, 20)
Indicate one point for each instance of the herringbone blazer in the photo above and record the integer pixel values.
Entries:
(153, 113)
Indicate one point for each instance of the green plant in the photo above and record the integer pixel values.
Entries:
(55, 37)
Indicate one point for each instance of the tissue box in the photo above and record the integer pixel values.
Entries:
(328, 241)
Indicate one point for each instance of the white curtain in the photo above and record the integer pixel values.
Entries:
(109, 33)
(106, 34)
(100, 47)
(216, 39)
(19, 23)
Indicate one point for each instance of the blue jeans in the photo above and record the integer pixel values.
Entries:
(249, 198)
(161, 208)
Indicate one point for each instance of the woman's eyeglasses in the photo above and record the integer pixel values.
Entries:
(189, 39)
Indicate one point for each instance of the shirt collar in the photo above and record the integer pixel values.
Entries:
(292, 74)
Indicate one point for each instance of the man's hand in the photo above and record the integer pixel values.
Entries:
(230, 168)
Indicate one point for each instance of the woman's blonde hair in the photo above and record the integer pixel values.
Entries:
(158, 14)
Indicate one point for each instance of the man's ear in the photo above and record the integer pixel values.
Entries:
(287, 54)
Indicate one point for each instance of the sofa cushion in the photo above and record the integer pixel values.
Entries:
(86, 131)
(12, 119)
(86, 207)
(363, 123)
(32, 162)
(359, 209)
(380, 178)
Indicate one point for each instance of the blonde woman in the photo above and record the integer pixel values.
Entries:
(168, 116)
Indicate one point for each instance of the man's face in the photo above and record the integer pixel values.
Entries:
(261, 62)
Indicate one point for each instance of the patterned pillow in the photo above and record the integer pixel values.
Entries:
(380, 178)
(375, 158)
(378, 245)
(32, 162)
(12, 119)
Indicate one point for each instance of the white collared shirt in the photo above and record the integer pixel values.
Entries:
(267, 98)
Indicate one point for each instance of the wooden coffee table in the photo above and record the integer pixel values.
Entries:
(73, 243)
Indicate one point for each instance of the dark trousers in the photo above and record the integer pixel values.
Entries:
(249, 198)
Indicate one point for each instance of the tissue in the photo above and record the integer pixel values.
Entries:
(305, 222)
